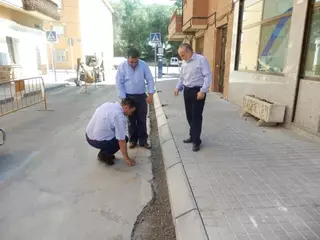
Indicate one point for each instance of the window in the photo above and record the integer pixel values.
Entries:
(60, 55)
(312, 51)
(10, 49)
(264, 35)
(59, 29)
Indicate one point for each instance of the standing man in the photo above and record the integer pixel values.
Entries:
(130, 82)
(195, 79)
(107, 130)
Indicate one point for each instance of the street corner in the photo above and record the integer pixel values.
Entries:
(170, 153)
(190, 227)
(180, 194)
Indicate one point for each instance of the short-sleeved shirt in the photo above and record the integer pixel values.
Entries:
(108, 122)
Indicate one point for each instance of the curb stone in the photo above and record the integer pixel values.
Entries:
(185, 214)
(51, 88)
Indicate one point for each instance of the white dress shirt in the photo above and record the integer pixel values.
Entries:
(108, 122)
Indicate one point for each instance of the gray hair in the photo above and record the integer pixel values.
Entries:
(186, 46)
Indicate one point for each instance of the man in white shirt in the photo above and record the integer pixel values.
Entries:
(107, 130)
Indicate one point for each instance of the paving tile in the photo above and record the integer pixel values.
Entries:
(264, 182)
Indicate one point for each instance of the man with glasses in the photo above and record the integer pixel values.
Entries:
(130, 80)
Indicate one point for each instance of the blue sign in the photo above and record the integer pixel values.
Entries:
(155, 37)
(51, 36)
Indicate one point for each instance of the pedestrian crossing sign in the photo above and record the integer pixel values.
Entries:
(51, 36)
(155, 37)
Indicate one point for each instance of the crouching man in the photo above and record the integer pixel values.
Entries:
(107, 130)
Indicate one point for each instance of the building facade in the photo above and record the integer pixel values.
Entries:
(275, 56)
(85, 28)
(22, 38)
(208, 26)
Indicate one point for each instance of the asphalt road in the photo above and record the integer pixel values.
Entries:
(51, 185)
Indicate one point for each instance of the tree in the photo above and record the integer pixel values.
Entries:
(178, 4)
(133, 23)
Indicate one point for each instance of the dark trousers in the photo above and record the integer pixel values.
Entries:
(194, 110)
(137, 122)
(108, 148)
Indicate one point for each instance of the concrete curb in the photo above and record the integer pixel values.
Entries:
(185, 213)
(51, 88)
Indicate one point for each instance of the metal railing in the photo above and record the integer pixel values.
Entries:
(21, 93)
(3, 136)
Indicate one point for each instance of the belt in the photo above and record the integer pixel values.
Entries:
(196, 87)
(135, 95)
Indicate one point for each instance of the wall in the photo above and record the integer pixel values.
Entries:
(20, 26)
(187, 11)
(71, 20)
(209, 46)
(97, 32)
(276, 88)
(19, 17)
(224, 15)
(308, 106)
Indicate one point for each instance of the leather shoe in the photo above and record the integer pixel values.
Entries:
(189, 140)
(146, 146)
(106, 159)
(132, 145)
(196, 148)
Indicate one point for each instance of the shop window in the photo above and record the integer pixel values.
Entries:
(60, 55)
(311, 62)
(264, 35)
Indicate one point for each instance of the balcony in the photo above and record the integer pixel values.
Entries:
(175, 27)
(195, 14)
(44, 9)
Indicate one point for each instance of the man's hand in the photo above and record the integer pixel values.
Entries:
(176, 92)
(123, 149)
(130, 162)
(150, 98)
(200, 95)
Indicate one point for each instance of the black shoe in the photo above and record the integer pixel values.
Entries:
(189, 140)
(106, 159)
(146, 146)
(196, 148)
(132, 145)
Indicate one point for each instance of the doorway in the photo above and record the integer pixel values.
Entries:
(221, 42)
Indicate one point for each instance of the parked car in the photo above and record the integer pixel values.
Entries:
(117, 61)
(174, 61)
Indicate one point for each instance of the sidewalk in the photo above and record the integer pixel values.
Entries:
(248, 182)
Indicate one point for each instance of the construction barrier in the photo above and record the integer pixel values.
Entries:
(21, 93)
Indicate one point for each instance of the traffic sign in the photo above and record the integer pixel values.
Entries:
(155, 37)
(51, 36)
